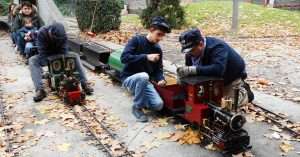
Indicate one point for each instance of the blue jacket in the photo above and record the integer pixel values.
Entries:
(24, 30)
(134, 57)
(219, 60)
(47, 46)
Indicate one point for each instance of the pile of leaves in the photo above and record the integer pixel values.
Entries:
(118, 37)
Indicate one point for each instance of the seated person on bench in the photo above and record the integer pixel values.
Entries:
(28, 33)
(208, 56)
(142, 57)
(52, 40)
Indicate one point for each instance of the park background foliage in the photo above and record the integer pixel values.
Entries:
(98, 16)
(170, 9)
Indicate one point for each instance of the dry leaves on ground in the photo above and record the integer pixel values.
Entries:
(286, 146)
(64, 147)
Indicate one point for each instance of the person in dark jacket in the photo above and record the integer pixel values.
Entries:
(142, 57)
(52, 40)
(26, 11)
(208, 56)
(28, 33)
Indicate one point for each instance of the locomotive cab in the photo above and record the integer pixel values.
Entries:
(199, 91)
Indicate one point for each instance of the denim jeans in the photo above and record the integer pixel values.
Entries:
(13, 36)
(27, 50)
(144, 92)
(37, 62)
(20, 42)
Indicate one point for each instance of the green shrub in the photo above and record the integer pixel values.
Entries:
(4, 7)
(107, 15)
(170, 9)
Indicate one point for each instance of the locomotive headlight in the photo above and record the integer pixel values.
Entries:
(70, 64)
(201, 91)
(56, 65)
(237, 122)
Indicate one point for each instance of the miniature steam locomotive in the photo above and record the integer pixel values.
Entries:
(63, 78)
(197, 99)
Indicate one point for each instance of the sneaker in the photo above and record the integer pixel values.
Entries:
(139, 115)
(40, 95)
(87, 89)
(249, 92)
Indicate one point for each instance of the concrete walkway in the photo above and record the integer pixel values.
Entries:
(51, 138)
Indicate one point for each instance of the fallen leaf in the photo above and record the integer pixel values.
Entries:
(276, 128)
(263, 81)
(64, 147)
(211, 147)
(163, 135)
(41, 122)
(286, 147)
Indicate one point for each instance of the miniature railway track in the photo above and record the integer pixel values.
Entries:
(106, 135)
(6, 122)
(277, 119)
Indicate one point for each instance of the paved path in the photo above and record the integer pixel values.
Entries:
(55, 139)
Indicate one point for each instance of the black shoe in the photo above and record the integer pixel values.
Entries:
(87, 89)
(139, 115)
(249, 92)
(40, 95)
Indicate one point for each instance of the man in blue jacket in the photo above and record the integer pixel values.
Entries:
(52, 40)
(142, 57)
(208, 56)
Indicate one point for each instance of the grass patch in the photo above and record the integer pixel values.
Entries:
(214, 17)
(132, 19)
(254, 20)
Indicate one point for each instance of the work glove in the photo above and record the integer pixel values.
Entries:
(186, 71)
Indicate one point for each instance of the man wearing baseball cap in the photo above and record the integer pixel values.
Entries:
(52, 40)
(142, 58)
(208, 56)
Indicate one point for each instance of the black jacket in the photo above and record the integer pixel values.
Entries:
(219, 60)
(134, 57)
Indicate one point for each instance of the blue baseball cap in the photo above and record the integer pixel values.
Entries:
(161, 23)
(189, 39)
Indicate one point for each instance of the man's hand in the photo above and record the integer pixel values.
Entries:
(162, 83)
(186, 71)
(153, 57)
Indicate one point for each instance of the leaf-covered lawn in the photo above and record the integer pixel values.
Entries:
(214, 17)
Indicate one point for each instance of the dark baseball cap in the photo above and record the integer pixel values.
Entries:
(161, 23)
(189, 39)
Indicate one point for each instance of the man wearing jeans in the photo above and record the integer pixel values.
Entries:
(142, 57)
(208, 56)
(52, 40)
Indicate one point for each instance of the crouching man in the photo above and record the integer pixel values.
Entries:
(52, 40)
(142, 57)
(208, 56)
